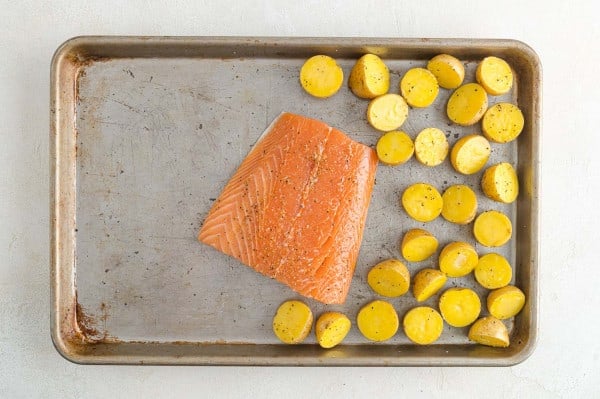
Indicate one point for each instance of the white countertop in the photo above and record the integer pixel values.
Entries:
(566, 362)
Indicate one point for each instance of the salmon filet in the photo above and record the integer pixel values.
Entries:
(296, 207)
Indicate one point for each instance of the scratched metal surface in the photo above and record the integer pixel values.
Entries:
(158, 138)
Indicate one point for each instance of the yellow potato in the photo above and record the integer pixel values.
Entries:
(495, 75)
(418, 245)
(460, 204)
(389, 278)
(493, 271)
(458, 259)
(370, 77)
(331, 329)
(492, 229)
(500, 183)
(395, 148)
(489, 331)
(378, 321)
(423, 325)
(427, 282)
(387, 112)
(506, 302)
(419, 87)
(460, 306)
(470, 154)
(431, 146)
(502, 122)
(448, 70)
(292, 322)
(467, 104)
(422, 202)
(321, 76)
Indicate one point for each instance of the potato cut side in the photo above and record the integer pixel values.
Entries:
(458, 259)
(423, 325)
(418, 245)
(321, 76)
(419, 87)
(502, 122)
(292, 322)
(489, 331)
(460, 306)
(493, 271)
(470, 154)
(495, 75)
(500, 183)
(460, 204)
(378, 321)
(331, 328)
(467, 104)
(431, 146)
(448, 70)
(427, 283)
(422, 202)
(506, 302)
(395, 148)
(389, 278)
(492, 229)
(370, 77)
(387, 112)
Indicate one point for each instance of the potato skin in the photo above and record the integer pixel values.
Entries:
(321, 76)
(389, 278)
(370, 77)
(448, 70)
(489, 331)
(292, 322)
(467, 104)
(500, 183)
(418, 245)
(331, 328)
(377, 321)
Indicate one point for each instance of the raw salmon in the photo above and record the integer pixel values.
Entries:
(295, 209)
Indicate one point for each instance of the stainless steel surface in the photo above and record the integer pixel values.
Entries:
(146, 132)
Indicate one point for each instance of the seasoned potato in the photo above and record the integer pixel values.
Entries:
(427, 282)
(419, 87)
(387, 112)
(448, 70)
(506, 302)
(489, 331)
(495, 75)
(321, 76)
(331, 329)
(460, 204)
(458, 259)
(467, 104)
(389, 278)
(418, 245)
(378, 321)
(370, 77)
(500, 183)
(395, 148)
(460, 306)
(492, 229)
(423, 325)
(470, 154)
(493, 271)
(431, 146)
(292, 322)
(422, 202)
(502, 122)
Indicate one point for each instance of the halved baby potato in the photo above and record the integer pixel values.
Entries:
(387, 112)
(448, 70)
(500, 183)
(428, 282)
(506, 302)
(489, 331)
(378, 321)
(458, 259)
(460, 306)
(423, 325)
(467, 104)
(331, 329)
(370, 77)
(422, 202)
(431, 146)
(419, 87)
(502, 122)
(470, 154)
(460, 204)
(418, 245)
(389, 278)
(292, 322)
(394, 148)
(493, 271)
(492, 228)
(321, 76)
(495, 75)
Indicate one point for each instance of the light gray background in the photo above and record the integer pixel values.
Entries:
(566, 362)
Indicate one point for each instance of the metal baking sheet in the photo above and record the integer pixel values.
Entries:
(146, 131)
